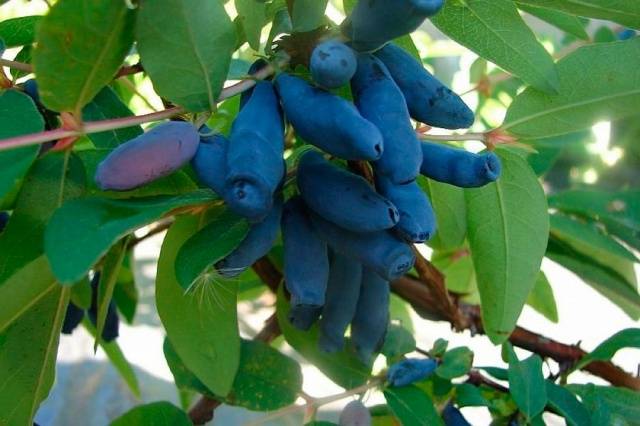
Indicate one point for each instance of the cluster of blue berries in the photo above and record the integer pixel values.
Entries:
(345, 238)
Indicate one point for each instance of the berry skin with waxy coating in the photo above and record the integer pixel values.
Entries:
(380, 251)
(72, 318)
(210, 161)
(410, 370)
(254, 68)
(459, 167)
(333, 63)
(417, 220)
(380, 101)
(429, 101)
(342, 197)
(256, 244)
(372, 23)
(306, 265)
(254, 156)
(345, 278)
(152, 155)
(4, 219)
(453, 417)
(327, 121)
(355, 414)
(369, 325)
(31, 88)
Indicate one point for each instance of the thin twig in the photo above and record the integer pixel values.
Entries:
(454, 137)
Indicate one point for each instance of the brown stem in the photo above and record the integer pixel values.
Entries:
(129, 69)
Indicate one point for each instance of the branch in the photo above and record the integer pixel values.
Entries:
(125, 70)
(119, 123)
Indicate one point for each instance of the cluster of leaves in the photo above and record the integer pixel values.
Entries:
(490, 242)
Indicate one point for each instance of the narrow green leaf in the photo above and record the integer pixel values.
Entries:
(81, 231)
(80, 47)
(564, 402)
(450, 211)
(209, 245)
(156, 414)
(495, 31)
(252, 16)
(568, 23)
(108, 277)
(397, 342)
(470, 396)
(18, 116)
(19, 31)
(508, 225)
(629, 338)
(625, 12)
(308, 15)
(201, 325)
(118, 360)
(542, 299)
(597, 82)
(412, 406)
(28, 350)
(186, 47)
(527, 384)
(125, 293)
(456, 362)
(344, 368)
(621, 405)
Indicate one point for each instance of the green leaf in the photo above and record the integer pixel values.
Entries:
(623, 405)
(568, 23)
(618, 211)
(28, 350)
(18, 116)
(209, 245)
(81, 231)
(201, 325)
(450, 211)
(397, 342)
(564, 402)
(184, 379)
(117, 359)
(412, 406)
(308, 15)
(470, 396)
(542, 299)
(125, 293)
(455, 363)
(604, 280)
(508, 225)
(252, 15)
(527, 384)
(19, 31)
(156, 414)
(629, 338)
(458, 270)
(80, 47)
(597, 82)
(495, 31)
(45, 187)
(108, 277)
(624, 12)
(344, 368)
(186, 47)
(104, 106)
(24, 55)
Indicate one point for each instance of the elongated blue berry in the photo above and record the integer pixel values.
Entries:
(453, 417)
(410, 370)
(210, 161)
(254, 68)
(429, 101)
(369, 325)
(31, 88)
(72, 318)
(380, 101)
(256, 244)
(4, 219)
(342, 197)
(332, 64)
(417, 222)
(459, 167)
(345, 278)
(255, 166)
(355, 414)
(157, 153)
(306, 265)
(372, 23)
(327, 121)
(380, 251)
